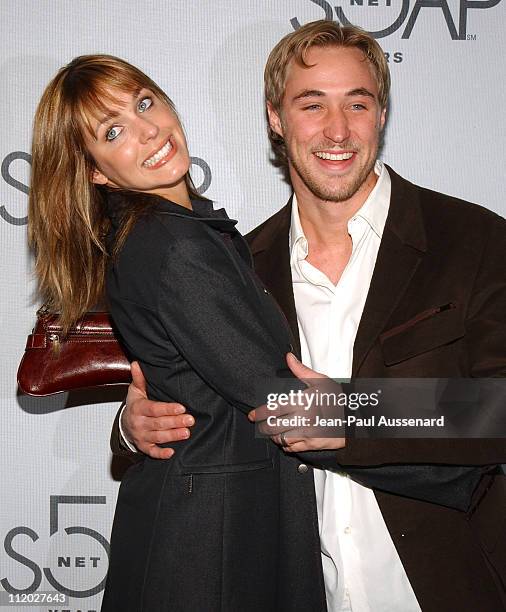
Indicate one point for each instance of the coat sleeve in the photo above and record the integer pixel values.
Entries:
(223, 322)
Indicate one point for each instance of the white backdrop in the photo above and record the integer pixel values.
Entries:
(446, 130)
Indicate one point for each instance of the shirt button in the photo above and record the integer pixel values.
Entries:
(347, 530)
(302, 469)
(265, 291)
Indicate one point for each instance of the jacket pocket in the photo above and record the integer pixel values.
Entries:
(232, 468)
(424, 332)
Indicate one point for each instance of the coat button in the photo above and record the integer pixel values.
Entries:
(302, 468)
(265, 291)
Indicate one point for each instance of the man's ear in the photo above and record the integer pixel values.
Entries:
(383, 118)
(98, 178)
(274, 120)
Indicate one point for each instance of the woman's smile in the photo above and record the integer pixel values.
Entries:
(162, 156)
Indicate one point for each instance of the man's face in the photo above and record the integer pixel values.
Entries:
(331, 120)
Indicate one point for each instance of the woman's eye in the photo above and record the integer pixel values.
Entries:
(144, 104)
(113, 133)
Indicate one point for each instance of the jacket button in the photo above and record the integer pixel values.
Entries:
(265, 291)
(302, 468)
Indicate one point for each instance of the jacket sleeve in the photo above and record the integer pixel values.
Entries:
(486, 321)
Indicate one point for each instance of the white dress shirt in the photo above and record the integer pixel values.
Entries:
(361, 567)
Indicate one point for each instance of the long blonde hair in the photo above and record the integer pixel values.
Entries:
(66, 218)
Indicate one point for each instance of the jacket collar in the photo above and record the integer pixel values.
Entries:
(402, 248)
(404, 219)
(269, 244)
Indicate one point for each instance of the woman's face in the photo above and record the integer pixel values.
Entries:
(140, 145)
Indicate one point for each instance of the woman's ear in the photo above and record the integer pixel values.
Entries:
(98, 178)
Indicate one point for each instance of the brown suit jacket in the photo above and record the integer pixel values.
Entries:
(435, 250)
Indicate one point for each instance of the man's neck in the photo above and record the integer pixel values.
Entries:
(325, 226)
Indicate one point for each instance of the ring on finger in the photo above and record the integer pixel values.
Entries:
(283, 439)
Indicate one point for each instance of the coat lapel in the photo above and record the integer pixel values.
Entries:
(269, 244)
(402, 247)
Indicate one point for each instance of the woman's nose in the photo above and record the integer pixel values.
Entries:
(147, 130)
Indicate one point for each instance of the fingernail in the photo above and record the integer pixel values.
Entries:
(188, 420)
(251, 415)
(185, 434)
(179, 410)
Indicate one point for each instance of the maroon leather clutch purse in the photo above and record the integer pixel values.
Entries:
(89, 356)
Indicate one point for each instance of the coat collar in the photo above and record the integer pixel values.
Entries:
(402, 246)
(118, 201)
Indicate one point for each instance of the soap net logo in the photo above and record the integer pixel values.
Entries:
(76, 557)
(390, 16)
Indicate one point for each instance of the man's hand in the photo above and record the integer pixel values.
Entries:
(299, 441)
(147, 423)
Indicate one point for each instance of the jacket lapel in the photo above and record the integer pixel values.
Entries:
(402, 247)
(269, 245)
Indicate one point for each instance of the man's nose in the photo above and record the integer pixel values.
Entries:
(336, 126)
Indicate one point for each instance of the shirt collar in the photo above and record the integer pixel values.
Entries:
(374, 210)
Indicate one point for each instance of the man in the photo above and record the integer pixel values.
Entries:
(378, 278)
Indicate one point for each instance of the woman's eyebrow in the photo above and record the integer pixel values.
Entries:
(105, 119)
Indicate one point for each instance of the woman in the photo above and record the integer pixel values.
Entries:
(112, 207)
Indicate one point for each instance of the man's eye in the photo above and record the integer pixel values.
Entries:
(113, 133)
(144, 104)
(312, 107)
(358, 106)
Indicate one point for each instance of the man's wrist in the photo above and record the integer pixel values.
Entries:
(123, 439)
